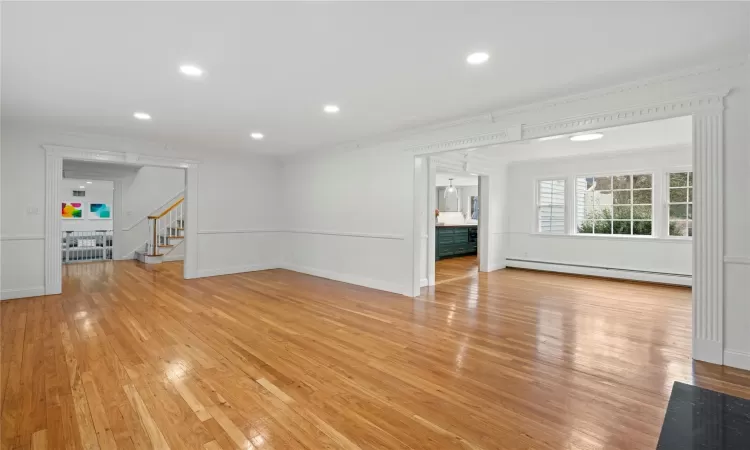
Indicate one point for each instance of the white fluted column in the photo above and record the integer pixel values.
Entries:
(708, 235)
(52, 225)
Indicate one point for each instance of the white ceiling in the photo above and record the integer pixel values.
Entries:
(87, 66)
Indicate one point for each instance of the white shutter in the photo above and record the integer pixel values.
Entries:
(551, 206)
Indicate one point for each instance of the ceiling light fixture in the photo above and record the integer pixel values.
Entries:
(88, 182)
(142, 116)
(257, 136)
(450, 189)
(81, 187)
(191, 71)
(331, 109)
(477, 58)
(586, 137)
(549, 138)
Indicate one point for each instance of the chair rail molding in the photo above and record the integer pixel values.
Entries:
(54, 156)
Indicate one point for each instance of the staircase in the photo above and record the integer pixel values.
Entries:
(166, 231)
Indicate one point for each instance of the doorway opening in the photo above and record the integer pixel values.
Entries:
(456, 226)
(99, 209)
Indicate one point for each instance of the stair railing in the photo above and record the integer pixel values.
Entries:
(161, 227)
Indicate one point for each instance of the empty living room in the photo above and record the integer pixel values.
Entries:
(374, 225)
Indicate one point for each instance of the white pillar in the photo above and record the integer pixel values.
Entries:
(708, 235)
(52, 225)
(190, 221)
(431, 222)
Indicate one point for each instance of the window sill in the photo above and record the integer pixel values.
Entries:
(615, 237)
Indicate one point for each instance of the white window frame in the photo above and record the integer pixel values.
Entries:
(566, 226)
(655, 228)
(665, 200)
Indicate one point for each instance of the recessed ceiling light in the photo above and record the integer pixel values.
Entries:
(586, 137)
(478, 58)
(142, 116)
(191, 71)
(549, 138)
(81, 187)
(257, 136)
(88, 182)
(331, 109)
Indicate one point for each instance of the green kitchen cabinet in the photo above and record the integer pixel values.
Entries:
(455, 241)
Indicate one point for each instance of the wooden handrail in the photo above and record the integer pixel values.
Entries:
(168, 209)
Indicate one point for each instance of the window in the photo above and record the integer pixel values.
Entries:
(550, 206)
(619, 204)
(680, 203)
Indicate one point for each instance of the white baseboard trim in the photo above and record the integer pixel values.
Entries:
(423, 282)
(351, 279)
(235, 269)
(8, 294)
(738, 359)
(652, 277)
(494, 267)
(708, 351)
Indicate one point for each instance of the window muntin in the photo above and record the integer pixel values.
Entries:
(615, 205)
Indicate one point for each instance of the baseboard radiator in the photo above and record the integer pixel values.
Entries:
(604, 272)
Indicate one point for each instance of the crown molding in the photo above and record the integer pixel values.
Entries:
(117, 157)
(500, 136)
(684, 106)
(493, 118)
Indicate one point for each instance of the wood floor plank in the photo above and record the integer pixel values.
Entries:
(135, 357)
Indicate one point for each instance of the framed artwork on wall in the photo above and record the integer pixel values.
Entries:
(100, 211)
(72, 210)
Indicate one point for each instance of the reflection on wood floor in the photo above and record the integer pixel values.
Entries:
(453, 269)
(131, 357)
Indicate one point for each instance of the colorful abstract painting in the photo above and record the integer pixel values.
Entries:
(72, 210)
(100, 211)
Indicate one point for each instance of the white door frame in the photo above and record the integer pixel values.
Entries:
(707, 112)
(425, 199)
(55, 154)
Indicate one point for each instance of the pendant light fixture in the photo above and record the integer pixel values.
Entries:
(450, 189)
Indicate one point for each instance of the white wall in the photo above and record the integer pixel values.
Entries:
(229, 235)
(349, 217)
(96, 192)
(658, 254)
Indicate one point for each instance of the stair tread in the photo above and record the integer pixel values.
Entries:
(174, 237)
(176, 228)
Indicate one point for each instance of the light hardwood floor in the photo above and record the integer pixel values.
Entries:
(454, 269)
(132, 357)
